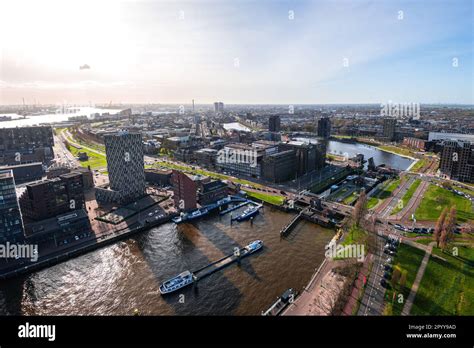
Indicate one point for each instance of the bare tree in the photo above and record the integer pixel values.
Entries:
(360, 208)
(439, 227)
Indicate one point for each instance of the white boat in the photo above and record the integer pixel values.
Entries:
(180, 281)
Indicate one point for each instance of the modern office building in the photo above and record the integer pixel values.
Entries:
(11, 223)
(158, 176)
(274, 123)
(280, 166)
(434, 136)
(64, 227)
(49, 198)
(457, 160)
(26, 172)
(389, 127)
(324, 127)
(309, 156)
(125, 165)
(22, 145)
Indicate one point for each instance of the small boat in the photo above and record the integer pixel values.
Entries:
(254, 246)
(248, 213)
(180, 281)
(191, 215)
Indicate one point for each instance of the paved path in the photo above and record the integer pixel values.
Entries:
(419, 276)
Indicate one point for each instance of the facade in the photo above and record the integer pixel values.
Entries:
(457, 160)
(26, 172)
(206, 157)
(59, 228)
(125, 165)
(11, 222)
(419, 144)
(158, 177)
(274, 123)
(26, 145)
(309, 156)
(49, 198)
(433, 136)
(280, 166)
(212, 191)
(324, 127)
(389, 126)
(185, 190)
(241, 159)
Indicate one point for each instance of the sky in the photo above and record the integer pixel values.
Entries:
(238, 52)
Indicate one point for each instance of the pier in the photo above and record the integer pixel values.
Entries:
(221, 263)
(287, 229)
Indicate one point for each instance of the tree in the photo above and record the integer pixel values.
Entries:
(439, 227)
(360, 208)
(403, 279)
(395, 276)
(449, 226)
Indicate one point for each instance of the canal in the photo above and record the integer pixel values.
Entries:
(125, 276)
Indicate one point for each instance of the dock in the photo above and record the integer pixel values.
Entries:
(287, 229)
(220, 264)
(235, 207)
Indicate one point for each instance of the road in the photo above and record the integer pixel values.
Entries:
(373, 298)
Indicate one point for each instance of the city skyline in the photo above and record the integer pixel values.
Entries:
(325, 52)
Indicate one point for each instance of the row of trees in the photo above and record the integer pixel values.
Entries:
(445, 227)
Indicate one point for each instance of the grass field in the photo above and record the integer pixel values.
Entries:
(406, 197)
(407, 260)
(95, 160)
(397, 150)
(418, 165)
(384, 193)
(355, 235)
(272, 199)
(447, 287)
(189, 169)
(437, 198)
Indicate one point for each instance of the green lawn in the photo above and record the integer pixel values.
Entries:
(397, 150)
(95, 160)
(437, 198)
(407, 196)
(407, 260)
(272, 199)
(418, 165)
(189, 169)
(355, 235)
(372, 202)
(447, 287)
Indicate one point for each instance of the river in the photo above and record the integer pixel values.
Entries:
(125, 276)
(352, 149)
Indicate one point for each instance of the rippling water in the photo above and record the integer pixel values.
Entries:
(118, 278)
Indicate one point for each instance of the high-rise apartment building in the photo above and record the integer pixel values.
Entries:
(11, 223)
(324, 127)
(274, 123)
(218, 107)
(389, 126)
(125, 165)
(457, 160)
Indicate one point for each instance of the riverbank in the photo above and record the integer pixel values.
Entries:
(59, 255)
